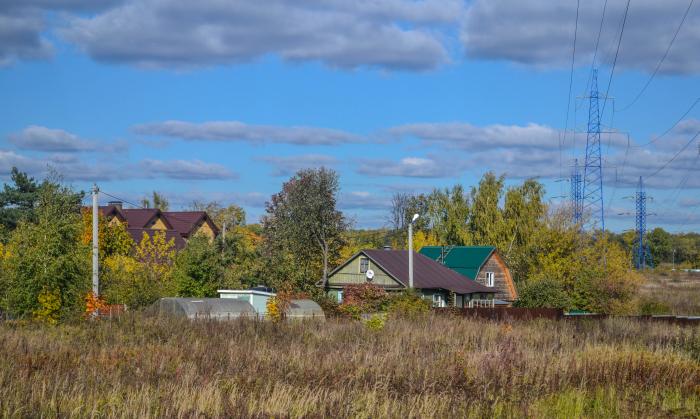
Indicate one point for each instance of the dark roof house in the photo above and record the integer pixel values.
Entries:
(177, 225)
(389, 269)
(481, 264)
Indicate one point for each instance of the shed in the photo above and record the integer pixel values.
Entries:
(203, 308)
(257, 298)
(304, 309)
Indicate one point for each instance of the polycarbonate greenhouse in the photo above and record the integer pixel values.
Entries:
(204, 308)
(304, 309)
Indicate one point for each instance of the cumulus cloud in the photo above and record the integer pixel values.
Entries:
(186, 170)
(388, 34)
(462, 135)
(73, 169)
(364, 200)
(22, 23)
(287, 166)
(540, 33)
(38, 138)
(238, 131)
(418, 167)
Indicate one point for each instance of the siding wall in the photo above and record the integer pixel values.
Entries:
(350, 274)
(500, 281)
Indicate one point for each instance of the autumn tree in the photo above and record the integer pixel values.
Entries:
(302, 228)
(45, 268)
(232, 215)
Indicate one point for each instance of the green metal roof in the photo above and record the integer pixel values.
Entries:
(467, 260)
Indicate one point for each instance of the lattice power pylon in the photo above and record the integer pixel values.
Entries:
(576, 193)
(642, 253)
(592, 195)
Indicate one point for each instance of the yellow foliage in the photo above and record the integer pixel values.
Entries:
(157, 253)
(273, 309)
(422, 239)
(49, 306)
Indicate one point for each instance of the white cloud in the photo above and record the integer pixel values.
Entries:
(38, 138)
(186, 170)
(287, 166)
(418, 167)
(233, 131)
(184, 34)
(540, 33)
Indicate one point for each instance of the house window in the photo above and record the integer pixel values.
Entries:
(489, 279)
(364, 265)
(438, 300)
(340, 297)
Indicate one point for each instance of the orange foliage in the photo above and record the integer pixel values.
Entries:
(93, 304)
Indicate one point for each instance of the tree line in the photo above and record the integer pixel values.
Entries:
(45, 238)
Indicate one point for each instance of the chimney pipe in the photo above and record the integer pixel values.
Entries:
(117, 204)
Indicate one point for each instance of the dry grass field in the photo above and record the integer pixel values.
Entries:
(428, 367)
(678, 292)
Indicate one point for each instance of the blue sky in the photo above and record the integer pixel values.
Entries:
(224, 100)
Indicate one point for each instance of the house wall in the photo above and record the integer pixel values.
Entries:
(502, 283)
(350, 274)
(157, 224)
(205, 229)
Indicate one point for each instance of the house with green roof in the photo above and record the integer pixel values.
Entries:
(482, 264)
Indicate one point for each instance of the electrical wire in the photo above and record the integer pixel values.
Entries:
(665, 165)
(142, 207)
(663, 58)
(672, 126)
(617, 53)
(571, 84)
(595, 51)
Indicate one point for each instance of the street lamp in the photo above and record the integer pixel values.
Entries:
(410, 250)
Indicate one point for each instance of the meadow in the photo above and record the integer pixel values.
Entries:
(430, 366)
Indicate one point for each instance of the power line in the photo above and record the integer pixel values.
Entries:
(617, 52)
(672, 126)
(597, 42)
(675, 156)
(663, 58)
(571, 84)
(142, 207)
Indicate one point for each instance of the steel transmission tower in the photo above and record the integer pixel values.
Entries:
(576, 193)
(642, 254)
(592, 195)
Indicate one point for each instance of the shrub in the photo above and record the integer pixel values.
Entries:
(376, 322)
(368, 297)
(648, 306)
(408, 304)
(544, 293)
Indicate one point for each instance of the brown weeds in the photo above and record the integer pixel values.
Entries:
(426, 367)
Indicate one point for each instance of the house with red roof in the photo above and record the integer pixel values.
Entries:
(179, 226)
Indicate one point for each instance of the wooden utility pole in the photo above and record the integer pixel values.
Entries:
(95, 244)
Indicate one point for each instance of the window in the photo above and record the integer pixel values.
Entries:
(364, 265)
(489, 279)
(438, 300)
(340, 297)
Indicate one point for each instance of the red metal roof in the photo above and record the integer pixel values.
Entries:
(427, 273)
(140, 217)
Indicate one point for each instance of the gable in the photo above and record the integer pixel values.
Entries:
(157, 224)
(349, 273)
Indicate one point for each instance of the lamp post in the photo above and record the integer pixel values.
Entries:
(410, 250)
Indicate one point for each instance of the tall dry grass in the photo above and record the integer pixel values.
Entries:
(430, 367)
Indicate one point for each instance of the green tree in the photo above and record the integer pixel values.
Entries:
(486, 221)
(46, 268)
(198, 269)
(17, 201)
(232, 215)
(303, 229)
(157, 200)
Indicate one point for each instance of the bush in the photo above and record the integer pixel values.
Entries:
(376, 322)
(648, 306)
(367, 297)
(543, 293)
(408, 304)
